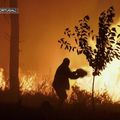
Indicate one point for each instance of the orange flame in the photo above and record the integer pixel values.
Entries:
(28, 84)
(32, 83)
(3, 83)
(109, 81)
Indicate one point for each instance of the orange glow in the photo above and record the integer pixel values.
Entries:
(32, 83)
(3, 83)
(28, 83)
(108, 81)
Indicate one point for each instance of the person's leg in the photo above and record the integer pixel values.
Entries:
(62, 95)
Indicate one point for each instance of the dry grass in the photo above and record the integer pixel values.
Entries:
(44, 105)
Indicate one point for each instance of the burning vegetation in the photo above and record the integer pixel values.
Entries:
(106, 90)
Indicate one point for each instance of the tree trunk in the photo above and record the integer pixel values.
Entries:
(93, 100)
(14, 53)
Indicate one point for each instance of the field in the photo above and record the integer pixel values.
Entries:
(46, 107)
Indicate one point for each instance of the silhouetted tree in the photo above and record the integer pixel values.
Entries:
(14, 53)
(107, 42)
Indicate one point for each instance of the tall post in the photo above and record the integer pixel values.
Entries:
(14, 53)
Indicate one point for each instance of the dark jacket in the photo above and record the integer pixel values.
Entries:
(62, 75)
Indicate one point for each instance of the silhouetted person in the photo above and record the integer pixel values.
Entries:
(61, 79)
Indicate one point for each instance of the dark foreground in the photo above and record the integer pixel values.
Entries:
(47, 112)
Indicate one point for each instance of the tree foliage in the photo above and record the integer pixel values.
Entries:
(107, 41)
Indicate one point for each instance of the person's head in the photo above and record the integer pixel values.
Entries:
(66, 62)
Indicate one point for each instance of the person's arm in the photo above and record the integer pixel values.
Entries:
(73, 75)
(78, 73)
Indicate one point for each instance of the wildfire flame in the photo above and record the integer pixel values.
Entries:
(109, 80)
(3, 83)
(28, 83)
(32, 83)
